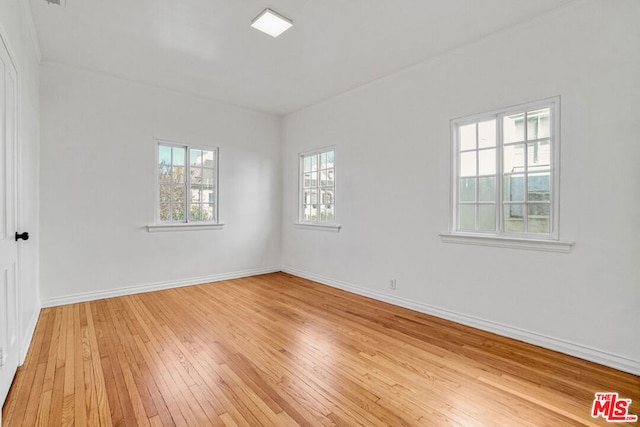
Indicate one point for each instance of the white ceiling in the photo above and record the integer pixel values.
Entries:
(207, 48)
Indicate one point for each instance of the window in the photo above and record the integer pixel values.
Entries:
(317, 187)
(506, 172)
(187, 184)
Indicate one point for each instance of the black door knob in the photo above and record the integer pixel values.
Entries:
(23, 236)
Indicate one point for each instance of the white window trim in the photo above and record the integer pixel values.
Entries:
(320, 226)
(154, 228)
(550, 242)
(317, 225)
(163, 226)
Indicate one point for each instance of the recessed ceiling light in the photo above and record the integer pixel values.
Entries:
(272, 23)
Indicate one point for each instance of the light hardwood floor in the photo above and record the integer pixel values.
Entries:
(281, 350)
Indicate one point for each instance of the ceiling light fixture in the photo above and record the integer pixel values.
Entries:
(272, 23)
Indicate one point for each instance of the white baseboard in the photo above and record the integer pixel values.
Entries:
(138, 289)
(577, 350)
(28, 334)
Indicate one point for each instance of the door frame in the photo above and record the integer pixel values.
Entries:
(17, 188)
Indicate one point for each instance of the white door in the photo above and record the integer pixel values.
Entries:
(8, 245)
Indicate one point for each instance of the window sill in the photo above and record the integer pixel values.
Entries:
(155, 228)
(507, 242)
(324, 227)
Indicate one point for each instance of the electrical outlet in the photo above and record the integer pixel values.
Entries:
(392, 284)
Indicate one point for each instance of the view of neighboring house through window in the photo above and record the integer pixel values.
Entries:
(187, 183)
(317, 186)
(507, 172)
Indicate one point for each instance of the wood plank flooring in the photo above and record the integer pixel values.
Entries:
(279, 350)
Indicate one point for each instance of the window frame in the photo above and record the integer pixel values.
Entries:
(554, 174)
(318, 224)
(187, 223)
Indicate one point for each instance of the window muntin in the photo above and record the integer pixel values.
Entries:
(317, 187)
(187, 184)
(506, 167)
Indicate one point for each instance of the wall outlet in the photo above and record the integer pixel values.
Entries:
(392, 284)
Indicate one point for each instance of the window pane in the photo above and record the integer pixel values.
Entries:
(177, 212)
(207, 195)
(165, 193)
(330, 159)
(195, 194)
(313, 197)
(307, 182)
(207, 176)
(326, 197)
(330, 178)
(195, 211)
(513, 128)
(195, 158)
(164, 155)
(486, 217)
(514, 188)
(323, 213)
(314, 162)
(514, 218)
(467, 190)
(538, 125)
(468, 164)
(207, 212)
(324, 178)
(178, 156)
(539, 154)
(539, 187)
(330, 213)
(310, 212)
(487, 162)
(487, 134)
(538, 218)
(467, 217)
(323, 160)
(487, 188)
(177, 194)
(178, 174)
(208, 159)
(307, 163)
(165, 211)
(164, 173)
(513, 158)
(467, 137)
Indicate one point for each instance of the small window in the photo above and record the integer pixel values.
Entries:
(506, 172)
(187, 184)
(317, 187)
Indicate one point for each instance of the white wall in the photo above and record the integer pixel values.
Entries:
(16, 28)
(393, 179)
(97, 180)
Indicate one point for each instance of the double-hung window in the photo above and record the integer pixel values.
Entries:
(187, 184)
(506, 172)
(317, 187)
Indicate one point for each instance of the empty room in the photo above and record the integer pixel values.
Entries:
(315, 213)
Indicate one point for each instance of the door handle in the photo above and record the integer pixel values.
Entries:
(23, 236)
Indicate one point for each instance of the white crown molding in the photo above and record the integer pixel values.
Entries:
(572, 349)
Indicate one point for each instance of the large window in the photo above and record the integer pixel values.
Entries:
(506, 172)
(187, 184)
(317, 187)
